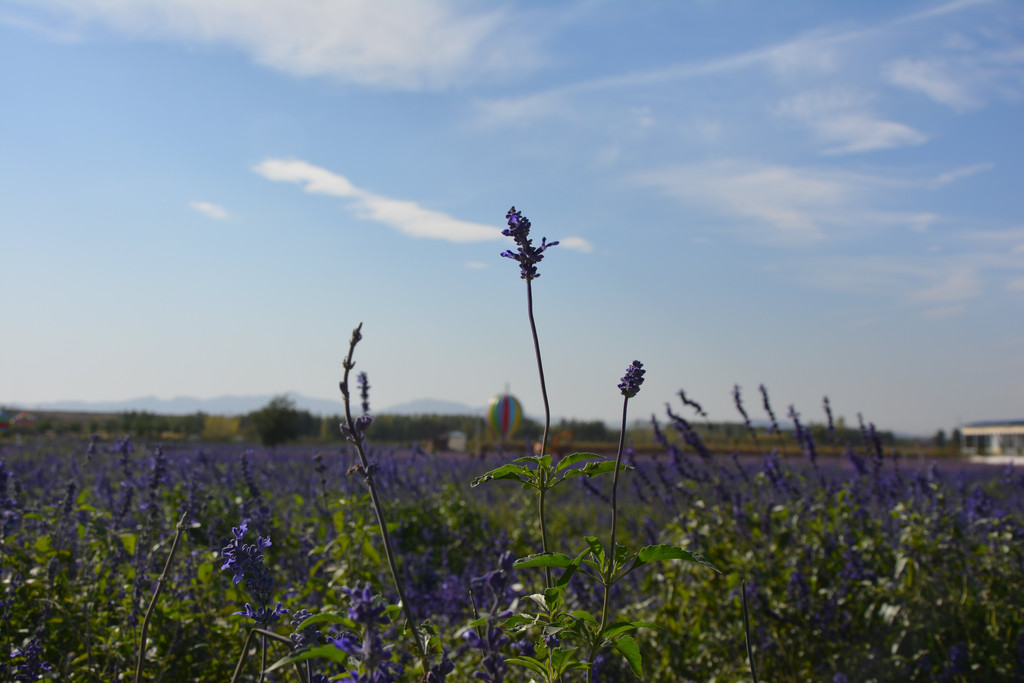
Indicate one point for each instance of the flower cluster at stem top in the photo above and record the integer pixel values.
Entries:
(631, 381)
(527, 255)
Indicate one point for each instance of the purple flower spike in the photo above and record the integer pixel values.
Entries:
(631, 381)
(364, 391)
(527, 255)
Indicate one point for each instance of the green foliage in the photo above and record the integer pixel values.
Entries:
(277, 422)
(879, 577)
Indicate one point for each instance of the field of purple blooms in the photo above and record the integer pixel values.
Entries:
(877, 571)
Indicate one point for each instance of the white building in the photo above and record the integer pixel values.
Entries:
(993, 438)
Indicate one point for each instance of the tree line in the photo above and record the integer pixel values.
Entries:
(280, 421)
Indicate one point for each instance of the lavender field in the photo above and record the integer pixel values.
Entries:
(877, 571)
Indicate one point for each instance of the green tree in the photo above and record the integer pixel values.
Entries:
(276, 422)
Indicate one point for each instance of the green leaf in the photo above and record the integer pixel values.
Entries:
(570, 570)
(630, 651)
(621, 627)
(506, 471)
(562, 661)
(370, 552)
(658, 553)
(517, 622)
(42, 544)
(539, 599)
(328, 652)
(584, 615)
(553, 597)
(527, 662)
(596, 549)
(572, 459)
(544, 560)
(129, 541)
(326, 618)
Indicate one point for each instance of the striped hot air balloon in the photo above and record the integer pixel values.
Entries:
(504, 415)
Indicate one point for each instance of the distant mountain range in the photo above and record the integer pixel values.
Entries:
(239, 405)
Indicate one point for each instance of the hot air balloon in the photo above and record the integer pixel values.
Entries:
(504, 415)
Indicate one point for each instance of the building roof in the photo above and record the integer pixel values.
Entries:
(996, 423)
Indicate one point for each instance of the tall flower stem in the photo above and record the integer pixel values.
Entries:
(179, 530)
(610, 557)
(528, 256)
(547, 426)
(356, 435)
(540, 368)
(629, 386)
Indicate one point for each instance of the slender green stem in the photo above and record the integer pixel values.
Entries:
(609, 569)
(540, 369)
(547, 427)
(746, 631)
(378, 509)
(180, 529)
(264, 634)
(263, 658)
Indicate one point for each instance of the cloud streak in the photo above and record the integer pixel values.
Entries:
(812, 54)
(215, 211)
(931, 78)
(404, 45)
(408, 217)
(842, 119)
(774, 204)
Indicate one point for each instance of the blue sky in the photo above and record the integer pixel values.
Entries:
(200, 198)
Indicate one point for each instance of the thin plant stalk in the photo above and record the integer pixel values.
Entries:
(540, 370)
(746, 631)
(263, 634)
(547, 426)
(610, 557)
(378, 510)
(179, 530)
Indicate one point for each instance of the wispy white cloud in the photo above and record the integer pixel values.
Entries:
(962, 172)
(933, 286)
(950, 284)
(407, 217)
(30, 24)
(799, 205)
(317, 180)
(406, 44)
(937, 284)
(811, 55)
(922, 222)
(842, 119)
(215, 211)
(576, 243)
(774, 203)
(932, 78)
(475, 265)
